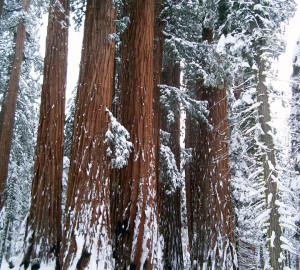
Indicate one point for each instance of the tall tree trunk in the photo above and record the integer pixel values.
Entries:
(269, 164)
(170, 198)
(9, 105)
(208, 187)
(87, 234)
(137, 230)
(43, 231)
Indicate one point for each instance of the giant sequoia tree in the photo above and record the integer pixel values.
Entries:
(9, 104)
(87, 235)
(209, 209)
(124, 205)
(43, 232)
(137, 229)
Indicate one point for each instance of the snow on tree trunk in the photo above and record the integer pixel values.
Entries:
(87, 234)
(169, 192)
(43, 230)
(269, 164)
(209, 209)
(137, 228)
(9, 105)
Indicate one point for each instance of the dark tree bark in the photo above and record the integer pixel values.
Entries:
(87, 234)
(157, 61)
(137, 214)
(209, 209)
(43, 230)
(9, 105)
(170, 199)
(1, 8)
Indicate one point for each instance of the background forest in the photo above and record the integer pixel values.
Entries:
(167, 156)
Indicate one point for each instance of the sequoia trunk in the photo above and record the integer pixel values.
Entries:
(9, 105)
(210, 217)
(87, 234)
(137, 214)
(43, 231)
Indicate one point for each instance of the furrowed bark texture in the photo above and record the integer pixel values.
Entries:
(87, 235)
(169, 198)
(43, 230)
(137, 221)
(269, 164)
(9, 105)
(209, 209)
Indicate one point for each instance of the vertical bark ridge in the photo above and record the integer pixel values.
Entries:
(43, 231)
(138, 232)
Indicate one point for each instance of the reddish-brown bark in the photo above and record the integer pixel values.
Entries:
(43, 231)
(209, 206)
(9, 105)
(137, 214)
(169, 197)
(87, 235)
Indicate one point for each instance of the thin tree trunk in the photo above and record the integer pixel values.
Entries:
(43, 230)
(157, 61)
(9, 106)
(269, 164)
(137, 230)
(87, 234)
(169, 199)
(209, 203)
(1, 8)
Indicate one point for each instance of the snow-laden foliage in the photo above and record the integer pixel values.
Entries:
(255, 27)
(119, 146)
(294, 122)
(295, 109)
(172, 99)
(169, 170)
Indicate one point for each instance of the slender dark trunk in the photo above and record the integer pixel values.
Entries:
(269, 164)
(157, 61)
(1, 8)
(170, 197)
